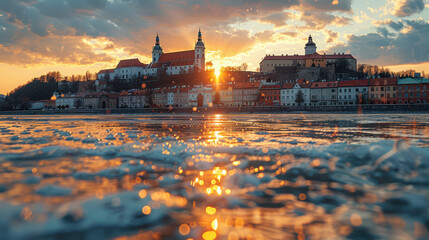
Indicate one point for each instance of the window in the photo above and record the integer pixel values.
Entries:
(418, 94)
(388, 88)
(394, 95)
(333, 90)
(418, 87)
(406, 87)
(372, 89)
(406, 94)
(394, 88)
(382, 88)
(350, 90)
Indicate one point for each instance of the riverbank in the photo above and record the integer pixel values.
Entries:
(422, 108)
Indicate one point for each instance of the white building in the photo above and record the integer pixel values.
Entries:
(200, 96)
(162, 63)
(310, 59)
(106, 74)
(353, 92)
(66, 101)
(134, 99)
(290, 91)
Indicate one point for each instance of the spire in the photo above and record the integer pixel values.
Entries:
(157, 39)
(310, 39)
(200, 38)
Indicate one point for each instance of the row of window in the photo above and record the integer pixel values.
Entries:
(314, 97)
(416, 87)
(350, 90)
(405, 95)
(382, 88)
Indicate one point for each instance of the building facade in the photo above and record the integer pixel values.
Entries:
(382, 91)
(353, 92)
(324, 94)
(162, 63)
(290, 94)
(310, 59)
(200, 96)
(269, 95)
(134, 99)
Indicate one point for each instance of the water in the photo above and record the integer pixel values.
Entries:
(214, 177)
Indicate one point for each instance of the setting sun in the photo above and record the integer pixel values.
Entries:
(217, 72)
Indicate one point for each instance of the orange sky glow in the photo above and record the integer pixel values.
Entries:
(93, 35)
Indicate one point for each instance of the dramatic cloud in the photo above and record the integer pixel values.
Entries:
(405, 8)
(389, 49)
(55, 26)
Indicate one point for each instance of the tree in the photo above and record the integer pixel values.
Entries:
(209, 66)
(243, 67)
(299, 97)
(78, 103)
(216, 100)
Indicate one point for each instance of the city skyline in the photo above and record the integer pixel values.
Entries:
(73, 37)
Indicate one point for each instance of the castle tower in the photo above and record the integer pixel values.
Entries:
(310, 47)
(200, 52)
(157, 51)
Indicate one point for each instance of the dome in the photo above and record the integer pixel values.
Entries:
(310, 42)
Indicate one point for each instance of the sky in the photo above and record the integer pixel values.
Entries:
(74, 36)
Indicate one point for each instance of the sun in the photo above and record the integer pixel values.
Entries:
(217, 72)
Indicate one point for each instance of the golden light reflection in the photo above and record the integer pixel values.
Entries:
(214, 224)
(209, 235)
(210, 210)
(146, 210)
(184, 229)
(142, 194)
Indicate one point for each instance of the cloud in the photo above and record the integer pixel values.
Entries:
(32, 26)
(405, 8)
(278, 19)
(385, 48)
(328, 5)
(332, 36)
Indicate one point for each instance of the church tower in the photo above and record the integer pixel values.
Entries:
(200, 52)
(157, 51)
(310, 47)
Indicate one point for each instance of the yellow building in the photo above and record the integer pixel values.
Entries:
(310, 59)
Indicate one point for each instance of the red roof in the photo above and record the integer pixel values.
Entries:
(177, 56)
(134, 93)
(271, 87)
(247, 85)
(354, 83)
(288, 85)
(130, 63)
(173, 59)
(324, 84)
(106, 70)
(312, 56)
(383, 81)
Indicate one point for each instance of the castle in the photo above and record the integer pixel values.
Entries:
(172, 63)
(311, 59)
